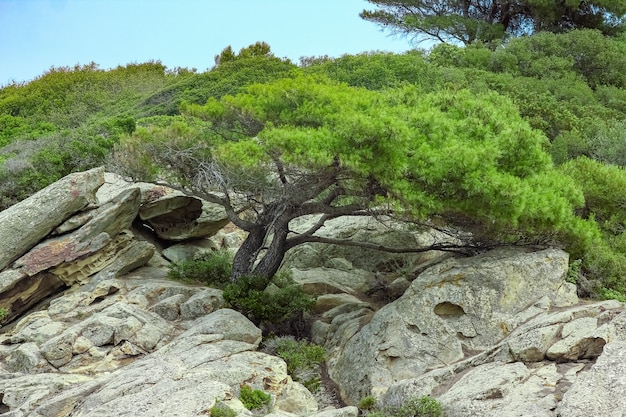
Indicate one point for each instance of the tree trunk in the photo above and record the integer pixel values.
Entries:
(248, 252)
(273, 257)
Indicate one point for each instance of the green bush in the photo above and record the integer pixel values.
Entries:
(3, 314)
(254, 399)
(222, 410)
(250, 296)
(303, 359)
(413, 407)
(213, 268)
(367, 403)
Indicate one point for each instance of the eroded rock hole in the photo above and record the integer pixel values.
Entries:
(448, 310)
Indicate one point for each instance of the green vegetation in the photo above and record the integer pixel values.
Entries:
(413, 407)
(303, 359)
(471, 21)
(222, 410)
(520, 142)
(254, 399)
(211, 269)
(283, 300)
(3, 314)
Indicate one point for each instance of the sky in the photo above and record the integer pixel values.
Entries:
(38, 34)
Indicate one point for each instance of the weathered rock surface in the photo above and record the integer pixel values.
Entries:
(499, 334)
(24, 224)
(452, 310)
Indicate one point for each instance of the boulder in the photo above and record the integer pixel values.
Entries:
(96, 234)
(204, 365)
(382, 231)
(452, 310)
(601, 391)
(178, 217)
(19, 292)
(24, 224)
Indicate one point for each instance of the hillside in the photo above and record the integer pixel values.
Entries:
(569, 88)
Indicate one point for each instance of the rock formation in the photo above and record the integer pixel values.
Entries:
(93, 327)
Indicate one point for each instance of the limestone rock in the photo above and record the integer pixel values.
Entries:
(364, 229)
(20, 292)
(349, 411)
(98, 232)
(177, 217)
(454, 309)
(601, 391)
(202, 303)
(185, 377)
(319, 281)
(24, 224)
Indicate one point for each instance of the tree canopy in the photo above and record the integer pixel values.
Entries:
(469, 21)
(309, 146)
(521, 143)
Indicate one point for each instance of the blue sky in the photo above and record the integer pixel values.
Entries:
(38, 34)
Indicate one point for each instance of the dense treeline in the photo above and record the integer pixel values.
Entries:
(523, 143)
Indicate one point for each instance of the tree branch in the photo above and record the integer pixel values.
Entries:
(467, 249)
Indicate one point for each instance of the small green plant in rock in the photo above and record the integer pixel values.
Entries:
(303, 359)
(212, 268)
(3, 314)
(413, 407)
(573, 272)
(254, 399)
(367, 403)
(222, 410)
(250, 296)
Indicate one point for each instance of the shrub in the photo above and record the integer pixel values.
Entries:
(413, 407)
(254, 399)
(250, 296)
(3, 314)
(367, 403)
(222, 410)
(213, 268)
(303, 359)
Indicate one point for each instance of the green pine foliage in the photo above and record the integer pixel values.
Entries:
(521, 142)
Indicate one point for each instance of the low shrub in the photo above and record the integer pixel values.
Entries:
(213, 268)
(254, 399)
(222, 410)
(303, 359)
(413, 407)
(250, 296)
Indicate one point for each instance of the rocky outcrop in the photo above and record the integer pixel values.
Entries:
(498, 334)
(24, 224)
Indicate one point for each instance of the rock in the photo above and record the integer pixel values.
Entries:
(319, 281)
(601, 391)
(499, 390)
(380, 231)
(188, 250)
(231, 324)
(170, 380)
(327, 302)
(202, 303)
(349, 411)
(97, 233)
(295, 398)
(577, 341)
(177, 217)
(169, 308)
(20, 292)
(454, 309)
(24, 224)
